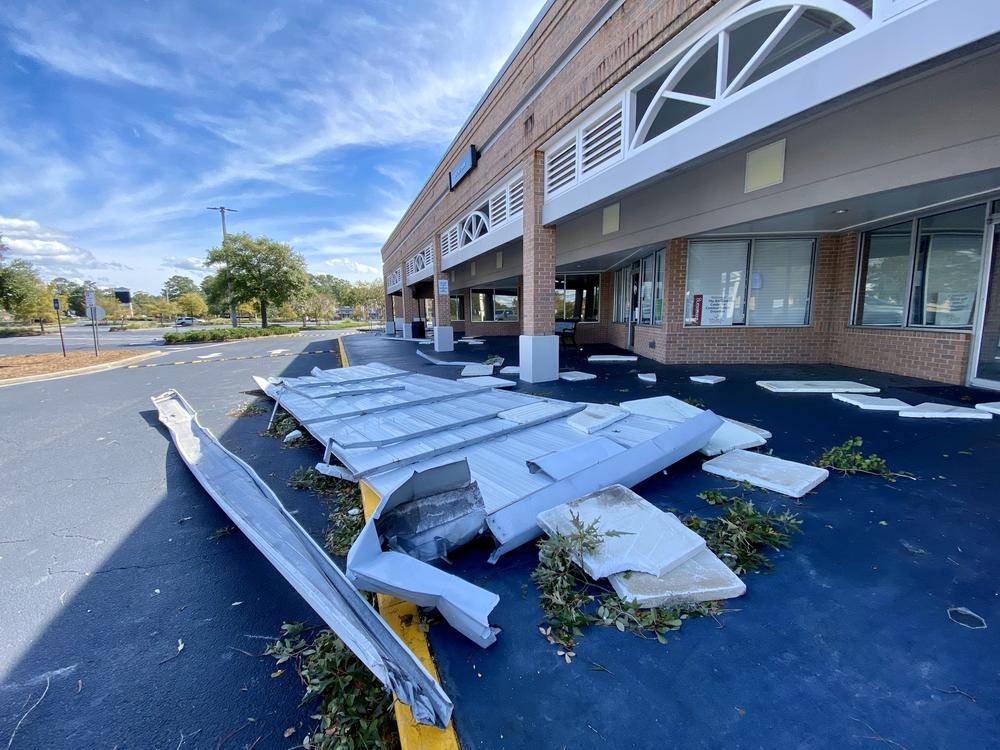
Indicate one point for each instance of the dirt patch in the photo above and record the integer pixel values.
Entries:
(23, 365)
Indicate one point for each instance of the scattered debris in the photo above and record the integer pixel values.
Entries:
(966, 618)
(574, 376)
(477, 370)
(714, 497)
(739, 535)
(595, 417)
(993, 407)
(571, 601)
(426, 516)
(637, 536)
(928, 410)
(180, 647)
(772, 473)
(490, 381)
(221, 532)
(612, 358)
(703, 578)
(494, 359)
(247, 409)
(848, 459)
(871, 403)
(254, 507)
(442, 362)
(291, 437)
(707, 379)
(510, 370)
(647, 377)
(816, 386)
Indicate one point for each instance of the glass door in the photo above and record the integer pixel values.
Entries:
(633, 308)
(985, 366)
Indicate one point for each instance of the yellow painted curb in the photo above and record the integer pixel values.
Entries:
(81, 370)
(404, 618)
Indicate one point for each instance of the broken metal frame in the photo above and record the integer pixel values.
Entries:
(260, 515)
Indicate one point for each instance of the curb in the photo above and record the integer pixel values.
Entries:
(404, 618)
(80, 370)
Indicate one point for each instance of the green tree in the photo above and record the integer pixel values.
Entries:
(216, 293)
(75, 297)
(260, 269)
(333, 286)
(177, 285)
(191, 304)
(18, 282)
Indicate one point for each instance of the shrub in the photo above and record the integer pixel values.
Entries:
(209, 335)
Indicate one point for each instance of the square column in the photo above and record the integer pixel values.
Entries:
(444, 334)
(409, 310)
(390, 324)
(538, 345)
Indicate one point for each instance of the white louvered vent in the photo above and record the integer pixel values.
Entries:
(560, 167)
(498, 209)
(516, 193)
(449, 240)
(602, 141)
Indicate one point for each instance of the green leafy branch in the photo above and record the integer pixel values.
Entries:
(848, 459)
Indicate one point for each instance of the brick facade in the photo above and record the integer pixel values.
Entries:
(829, 338)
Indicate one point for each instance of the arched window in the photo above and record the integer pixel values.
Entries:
(752, 44)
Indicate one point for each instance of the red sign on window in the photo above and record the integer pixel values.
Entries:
(696, 309)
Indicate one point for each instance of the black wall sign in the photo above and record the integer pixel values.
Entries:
(464, 165)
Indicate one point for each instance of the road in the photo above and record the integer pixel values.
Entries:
(106, 562)
(80, 338)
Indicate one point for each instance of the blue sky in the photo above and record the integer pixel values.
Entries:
(318, 120)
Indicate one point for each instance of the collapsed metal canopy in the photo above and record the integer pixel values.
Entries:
(258, 513)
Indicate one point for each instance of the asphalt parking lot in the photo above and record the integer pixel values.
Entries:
(106, 561)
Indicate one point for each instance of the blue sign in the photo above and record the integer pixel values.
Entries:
(464, 165)
(55, 303)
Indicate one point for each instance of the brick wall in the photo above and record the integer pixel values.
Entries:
(935, 355)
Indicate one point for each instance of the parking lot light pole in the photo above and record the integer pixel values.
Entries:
(232, 304)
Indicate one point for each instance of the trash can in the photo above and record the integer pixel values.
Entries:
(419, 330)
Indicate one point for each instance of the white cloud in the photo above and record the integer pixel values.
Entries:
(191, 264)
(361, 269)
(51, 251)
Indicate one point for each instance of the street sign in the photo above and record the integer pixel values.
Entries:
(97, 313)
(55, 304)
(88, 299)
(442, 286)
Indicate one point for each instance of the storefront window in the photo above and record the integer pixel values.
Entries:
(494, 305)
(457, 307)
(749, 282)
(577, 296)
(926, 278)
(639, 290)
(946, 272)
(884, 268)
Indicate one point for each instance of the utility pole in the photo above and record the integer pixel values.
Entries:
(232, 304)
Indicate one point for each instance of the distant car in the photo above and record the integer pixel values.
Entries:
(184, 321)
